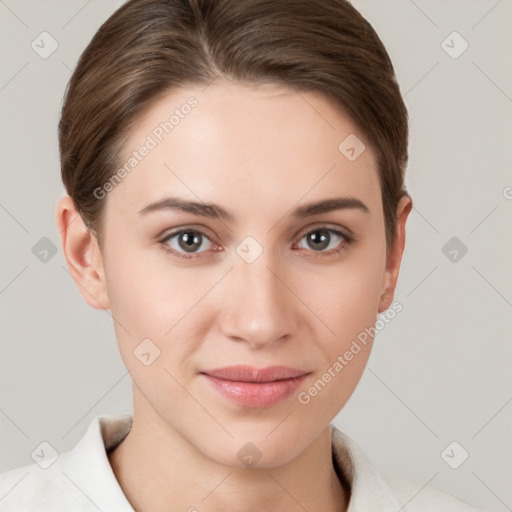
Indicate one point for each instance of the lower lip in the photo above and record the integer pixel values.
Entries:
(255, 394)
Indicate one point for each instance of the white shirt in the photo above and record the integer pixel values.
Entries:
(83, 480)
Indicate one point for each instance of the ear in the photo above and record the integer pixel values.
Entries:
(394, 257)
(82, 254)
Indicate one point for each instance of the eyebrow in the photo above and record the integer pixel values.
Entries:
(215, 211)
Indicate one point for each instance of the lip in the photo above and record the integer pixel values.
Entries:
(255, 387)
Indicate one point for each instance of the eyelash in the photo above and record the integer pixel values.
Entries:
(342, 246)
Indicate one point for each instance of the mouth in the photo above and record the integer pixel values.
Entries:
(254, 387)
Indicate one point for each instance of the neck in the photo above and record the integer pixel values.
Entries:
(159, 470)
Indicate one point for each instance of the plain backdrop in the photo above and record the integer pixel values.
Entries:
(439, 373)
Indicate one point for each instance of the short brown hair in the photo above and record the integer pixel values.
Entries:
(149, 47)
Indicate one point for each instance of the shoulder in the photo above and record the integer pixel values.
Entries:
(415, 497)
(80, 479)
(373, 490)
(30, 488)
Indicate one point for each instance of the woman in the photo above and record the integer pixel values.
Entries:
(236, 199)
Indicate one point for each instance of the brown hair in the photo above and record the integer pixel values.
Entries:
(149, 47)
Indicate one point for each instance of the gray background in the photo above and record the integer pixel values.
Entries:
(440, 371)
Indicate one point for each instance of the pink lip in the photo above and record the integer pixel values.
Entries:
(253, 387)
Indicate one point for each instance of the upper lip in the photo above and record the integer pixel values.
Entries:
(244, 373)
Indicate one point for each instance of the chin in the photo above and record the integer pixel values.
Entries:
(268, 445)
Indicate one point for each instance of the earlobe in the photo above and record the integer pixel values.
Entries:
(82, 253)
(395, 254)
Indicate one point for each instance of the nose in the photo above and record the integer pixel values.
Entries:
(261, 309)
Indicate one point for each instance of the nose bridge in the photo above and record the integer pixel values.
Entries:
(260, 306)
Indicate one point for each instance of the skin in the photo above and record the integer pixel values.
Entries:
(259, 152)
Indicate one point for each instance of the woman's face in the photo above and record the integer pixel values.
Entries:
(256, 278)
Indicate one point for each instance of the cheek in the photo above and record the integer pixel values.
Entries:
(345, 297)
(346, 300)
(149, 294)
(150, 306)
(154, 299)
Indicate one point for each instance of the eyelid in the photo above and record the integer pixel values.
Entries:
(345, 232)
(167, 233)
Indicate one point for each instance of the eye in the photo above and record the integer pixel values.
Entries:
(326, 240)
(186, 242)
(190, 243)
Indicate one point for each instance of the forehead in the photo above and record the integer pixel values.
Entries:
(244, 145)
